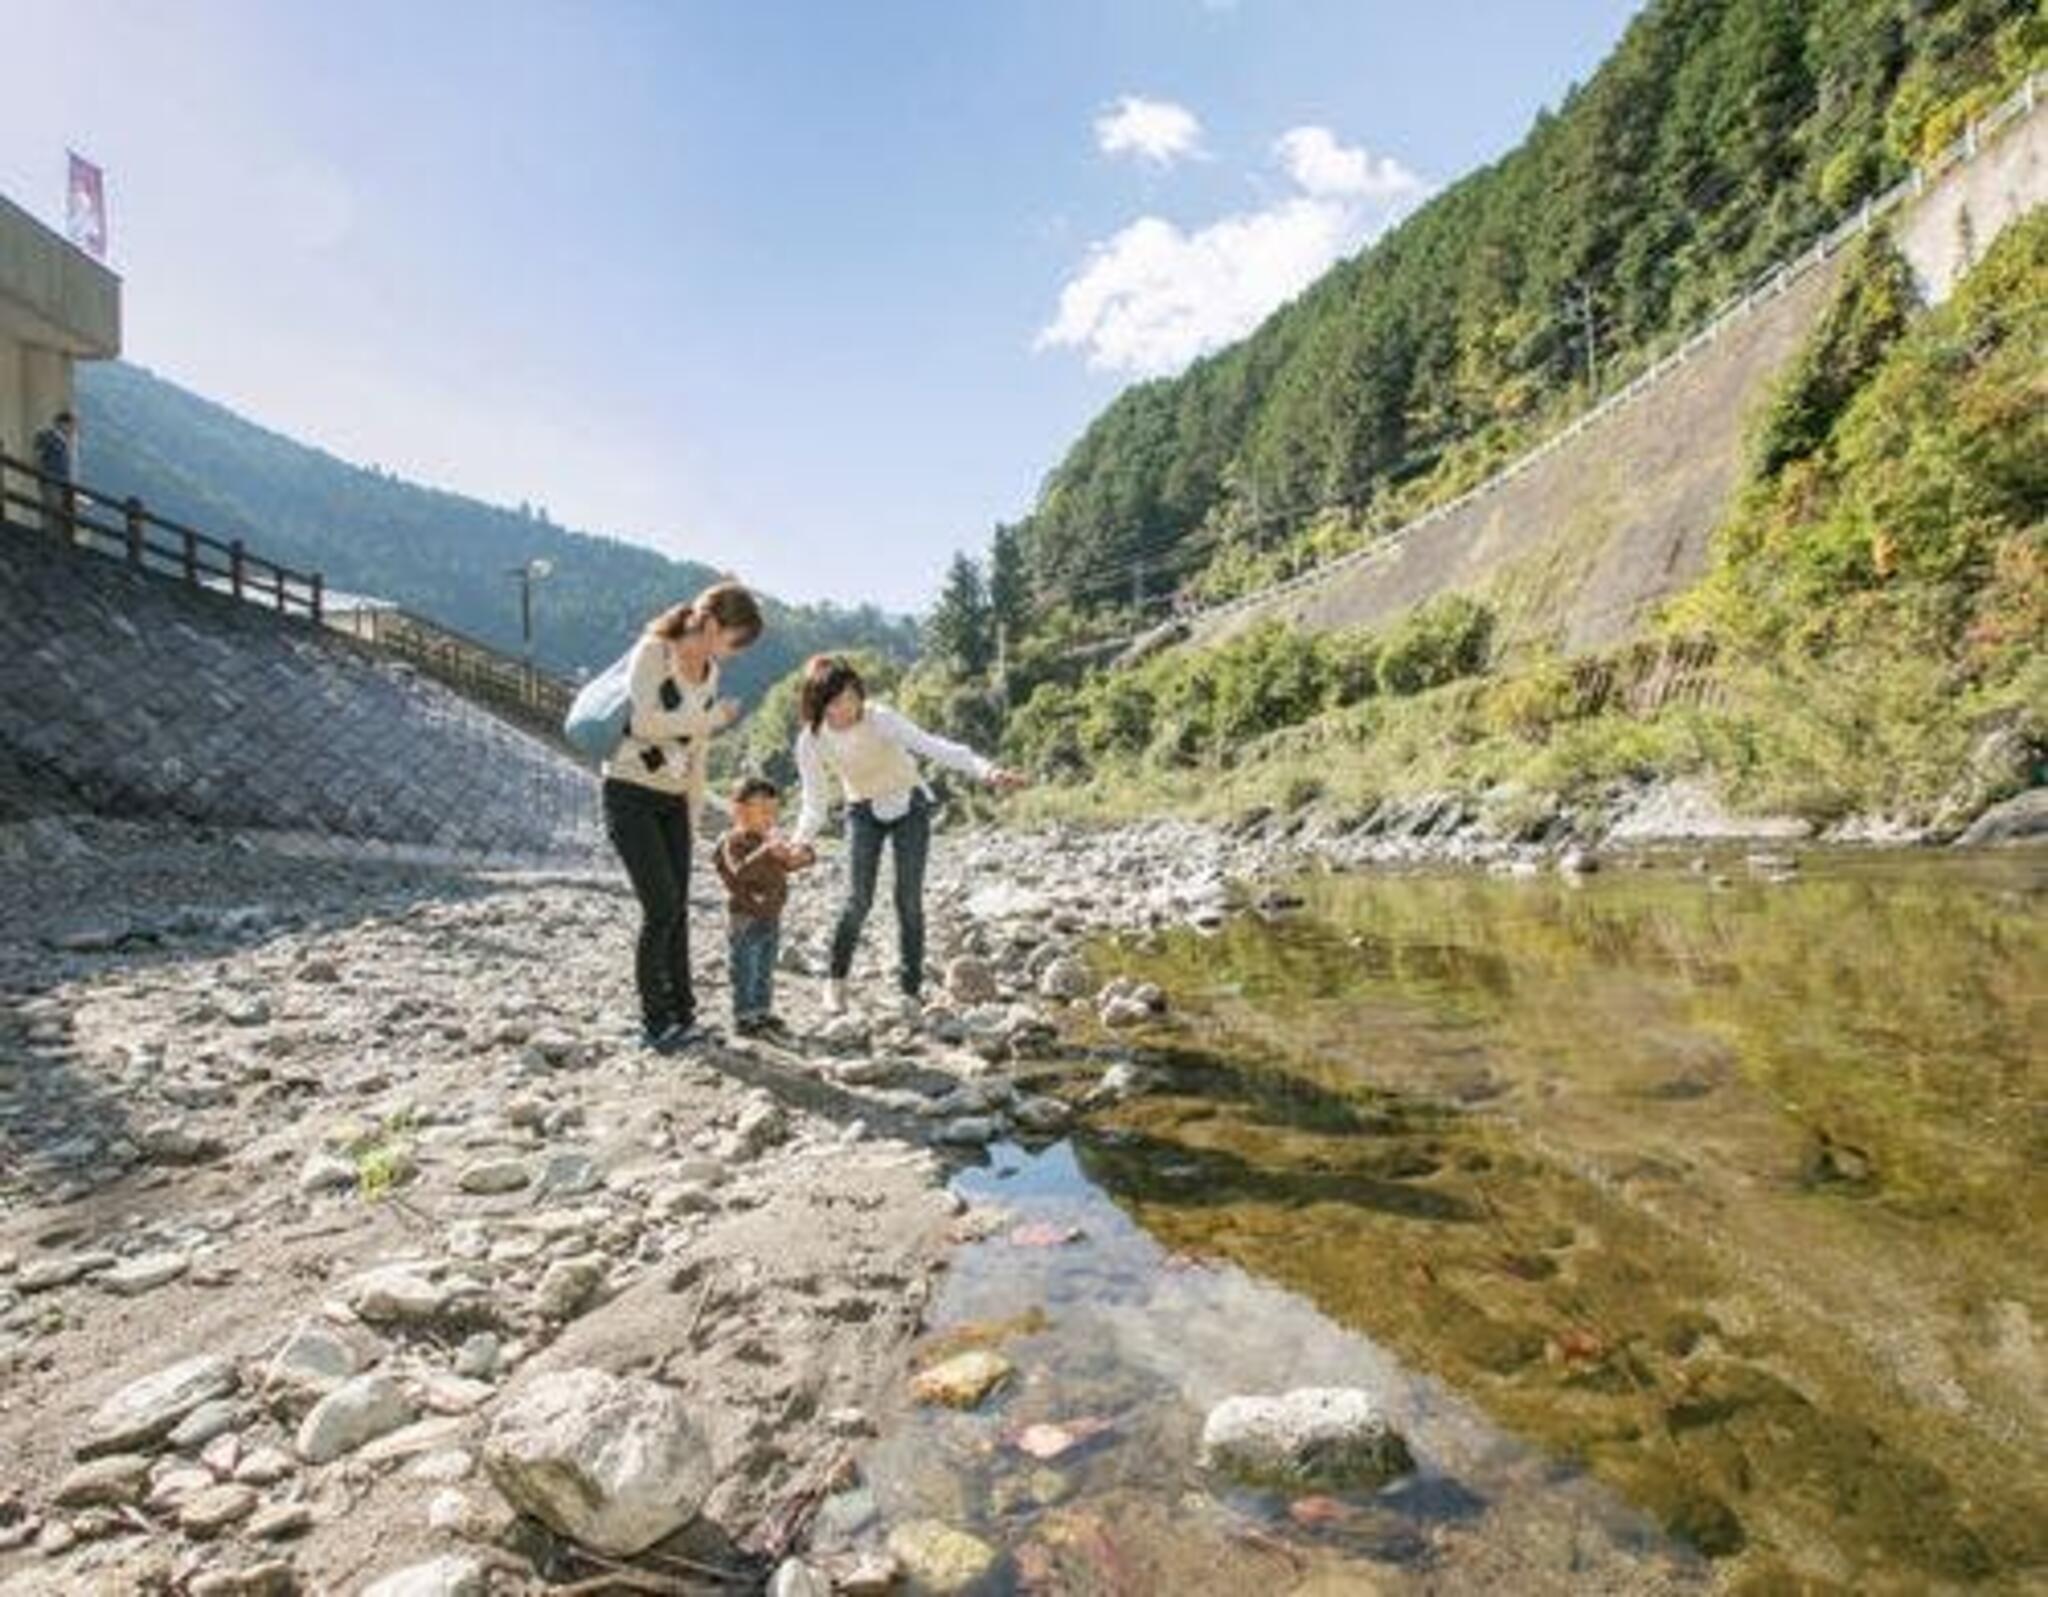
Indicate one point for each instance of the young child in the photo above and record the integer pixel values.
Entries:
(754, 863)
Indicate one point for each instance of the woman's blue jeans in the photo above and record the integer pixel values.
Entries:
(910, 840)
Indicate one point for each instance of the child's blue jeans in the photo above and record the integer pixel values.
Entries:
(753, 946)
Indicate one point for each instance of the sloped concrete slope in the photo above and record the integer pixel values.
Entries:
(133, 696)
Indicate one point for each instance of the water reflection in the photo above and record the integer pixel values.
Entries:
(1115, 1330)
(1726, 1194)
(1688, 1230)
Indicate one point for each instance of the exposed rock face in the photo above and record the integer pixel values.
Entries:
(2018, 820)
(614, 1464)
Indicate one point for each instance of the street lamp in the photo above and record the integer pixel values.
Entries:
(528, 574)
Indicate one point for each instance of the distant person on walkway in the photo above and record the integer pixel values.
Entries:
(873, 751)
(754, 862)
(56, 451)
(654, 787)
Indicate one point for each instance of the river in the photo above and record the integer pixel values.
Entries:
(1686, 1220)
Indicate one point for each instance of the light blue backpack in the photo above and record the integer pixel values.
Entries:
(602, 710)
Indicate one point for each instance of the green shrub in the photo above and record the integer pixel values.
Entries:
(1351, 667)
(1439, 642)
(1869, 312)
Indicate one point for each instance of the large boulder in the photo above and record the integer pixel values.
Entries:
(613, 1463)
(1328, 1437)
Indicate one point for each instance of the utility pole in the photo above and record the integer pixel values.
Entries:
(1138, 584)
(1003, 662)
(1582, 304)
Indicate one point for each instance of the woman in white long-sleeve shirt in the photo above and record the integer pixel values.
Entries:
(872, 751)
(654, 786)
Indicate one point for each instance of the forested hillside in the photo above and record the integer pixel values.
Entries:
(1718, 136)
(1875, 621)
(445, 556)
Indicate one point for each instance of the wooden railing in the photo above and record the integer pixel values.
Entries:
(515, 688)
(125, 529)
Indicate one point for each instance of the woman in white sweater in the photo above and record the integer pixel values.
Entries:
(654, 787)
(872, 750)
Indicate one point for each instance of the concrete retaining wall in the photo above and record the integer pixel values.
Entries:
(132, 696)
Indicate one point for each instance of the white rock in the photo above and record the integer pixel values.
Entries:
(442, 1392)
(323, 1172)
(443, 1466)
(491, 1176)
(409, 1294)
(1123, 1011)
(795, 1578)
(266, 1466)
(132, 1277)
(614, 1463)
(451, 1575)
(1332, 1437)
(358, 1411)
(1066, 977)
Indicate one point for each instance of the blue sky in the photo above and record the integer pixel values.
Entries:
(817, 292)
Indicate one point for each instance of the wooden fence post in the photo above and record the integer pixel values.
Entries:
(132, 510)
(317, 583)
(235, 560)
(190, 552)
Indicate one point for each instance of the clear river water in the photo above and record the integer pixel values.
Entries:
(1687, 1222)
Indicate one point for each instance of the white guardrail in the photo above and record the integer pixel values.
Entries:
(1763, 289)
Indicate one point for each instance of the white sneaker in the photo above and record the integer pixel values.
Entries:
(835, 996)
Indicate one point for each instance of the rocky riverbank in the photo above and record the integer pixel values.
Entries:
(347, 1236)
(322, 1175)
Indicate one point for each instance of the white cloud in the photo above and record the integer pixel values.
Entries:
(1152, 130)
(1322, 166)
(1154, 296)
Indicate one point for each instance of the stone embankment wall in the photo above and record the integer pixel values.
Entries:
(127, 695)
(1579, 545)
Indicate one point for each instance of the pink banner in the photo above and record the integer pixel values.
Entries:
(85, 207)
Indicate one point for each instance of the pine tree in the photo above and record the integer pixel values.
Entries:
(959, 632)
(1006, 583)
